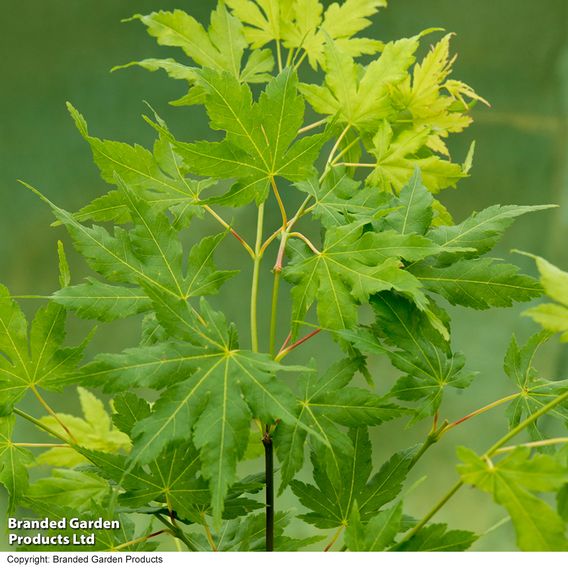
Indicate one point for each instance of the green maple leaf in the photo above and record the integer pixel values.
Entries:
(437, 538)
(352, 266)
(481, 231)
(433, 100)
(69, 488)
(260, 142)
(248, 534)
(208, 377)
(512, 482)
(478, 283)
(343, 479)
(534, 391)
(360, 96)
(399, 154)
(302, 24)
(220, 47)
(33, 355)
(375, 535)
(412, 208)
(340, 199)
(324, 403)
(150, 253)
(416, 348)
(172, 479)
(159, 176)
(94, 431)
(552, 316)
(13, 462)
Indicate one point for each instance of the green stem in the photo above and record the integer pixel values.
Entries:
(490, 452)
(537, 444)
(274, 310)
(279, 55)
(39, 424)
(334, 538)
(255, 279)
(481, 410)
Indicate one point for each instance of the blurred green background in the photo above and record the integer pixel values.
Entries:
(513, 52)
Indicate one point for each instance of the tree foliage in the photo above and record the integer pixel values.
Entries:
(372, 258)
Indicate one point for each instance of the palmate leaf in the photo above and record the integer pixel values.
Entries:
(412, 208)
(13, 461)
(376, 535)
(33, 356)
(158, 176)
(220, 47)
(352, 266)
(217, 390)
(437, 538)
(433, 100)
(399, 154)
(69, 488)
(479, 283)
(340, 200)
(358, 97)
(413, 346)
(552, 316)
(302, 24)
(342, 478)
(534, 391)
(480, 232)
(149, 254)
(512, 482)
(260, 142)
(173, 479)
(324, 403)
(247, 534)
(94, 431)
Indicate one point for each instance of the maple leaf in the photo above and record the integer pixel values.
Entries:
(407, 337)
(512, 482)
(479, 283)
(260, 142)
(399, 154)
(340, 200)
(437, 538)
(150, 253)
(377, 534)
(69, 488)
(431, 98)
(302, 24)
(552, 316)
(412, 208)
(13, 461)
(534, 391)
(33, 355)
(94, 432)
(220, 47)
(343, 479)
(353, 265)
(358, 97)
(324, 403)
(480, 232)
(208, 377)
(159, 176)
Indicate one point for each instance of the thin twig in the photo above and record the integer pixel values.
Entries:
(283, 354)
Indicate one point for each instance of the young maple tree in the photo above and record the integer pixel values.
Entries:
(367, 229)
